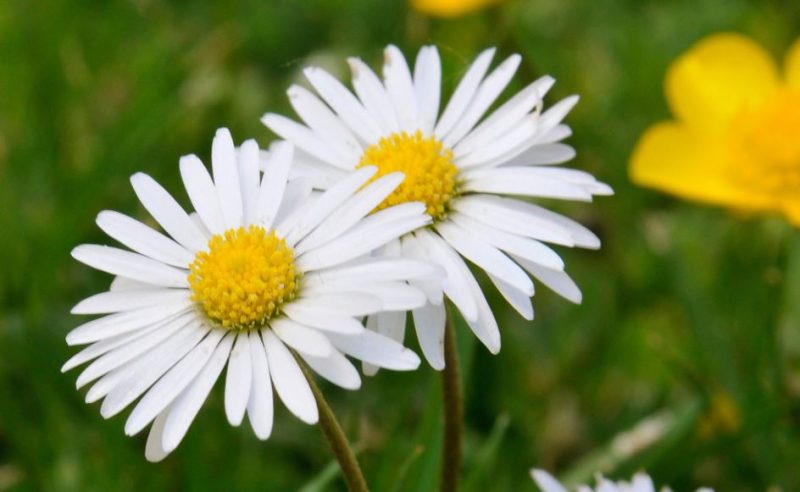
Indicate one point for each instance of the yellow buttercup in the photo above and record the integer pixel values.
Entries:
(735, 137)
(450, 8)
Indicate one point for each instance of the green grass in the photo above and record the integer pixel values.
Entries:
(685, 305)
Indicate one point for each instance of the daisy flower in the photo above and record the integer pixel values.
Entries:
(735, 137)
(641, 482)
(466, 167)
(262, 269)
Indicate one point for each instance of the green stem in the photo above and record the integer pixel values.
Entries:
(335, 436)
(453, 403)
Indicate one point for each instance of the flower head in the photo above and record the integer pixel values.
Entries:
(641, 482)
(450, 8)
(735, 139)
(264, 273)
(464, 166)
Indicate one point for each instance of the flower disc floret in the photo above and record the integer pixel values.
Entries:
(244, 278)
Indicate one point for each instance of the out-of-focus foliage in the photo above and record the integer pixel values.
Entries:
(688, 312)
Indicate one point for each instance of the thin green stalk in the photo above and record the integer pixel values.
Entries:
(453, 406)
(335, 436)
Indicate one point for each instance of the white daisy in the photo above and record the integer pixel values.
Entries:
(641, 482)
(262, 267)
(460, 164)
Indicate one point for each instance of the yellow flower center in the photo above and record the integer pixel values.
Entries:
(430, 175)
(244, 277)
(768, 144)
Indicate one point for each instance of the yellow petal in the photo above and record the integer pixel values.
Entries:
(793, 65)
(671, 158)
(716, 78)
(449, 8)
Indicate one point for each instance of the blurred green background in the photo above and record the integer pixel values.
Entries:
(690, 314)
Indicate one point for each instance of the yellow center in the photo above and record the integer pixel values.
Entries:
(430, 175)
(768, 144)
(244, 277)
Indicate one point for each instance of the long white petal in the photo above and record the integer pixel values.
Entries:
(325, 124)
(259, 407)
(376, 349)
(304, 138)
(118, 323)
(132, 265)
(202, 193)
(248, 160)
(374, 269)
(323, 320)
(411, 247)
(341, 304)
(557, 280)
(302, 338)
(168, 213)
(400, 87)
(187, 405)
(373, 96)
(427, 85)
(143, 239)
(99, 348)
(543, 155)
(273, 184)
(335, 368)
(226, 178)
(153, 450)
(519, 300)
(289, 381)
(429, 323)
(523, 181)
(239, 379)
(126, 300)
(455, 284)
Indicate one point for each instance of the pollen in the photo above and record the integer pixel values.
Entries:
(430, 175)
(244, 277)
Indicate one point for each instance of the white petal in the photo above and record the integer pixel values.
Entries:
(557, 112)
(455, 284)
(427, 86)
(104, 346)
(302, 338)
(529, 249)
(486, 94)
(273, 184)
(168, 213)
(226, 178)
(557, 280)
(186, 406)
(502, 215)
(259, 406)
(172, 383)
(538, 155)
(132, 265)
(504, 147)
(376, 349)
(154, 451)
(289, 381)
(555, 134)
(393, 325)
(304, 138)
(524, 181)
(464, 93)
(485, 256)
(519, 300)
(314, 213)
(485, 327)
(126, 300)
(344, 103)
(239, 379)
(325, 124)
(351, 211)
(116, 324)
(143, 239)
(248, 159)
(411, 247)
(373, 96)
(546, 481)
(574, 176)
(335, 368)
(320, 174)
(202, 193)
(321, 319)
(125, 283)
(400, 87)
(429, 323)
(353, 304)
(375, 269)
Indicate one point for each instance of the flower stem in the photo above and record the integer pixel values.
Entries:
(453, 403)
(335, 436)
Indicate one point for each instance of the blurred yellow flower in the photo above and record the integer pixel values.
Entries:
(735, 139)
(450, 8)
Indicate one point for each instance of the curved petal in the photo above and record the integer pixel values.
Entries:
(718, 76)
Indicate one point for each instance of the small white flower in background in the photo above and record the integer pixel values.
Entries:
(258, 269)
(460, 164)
(640, 482)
